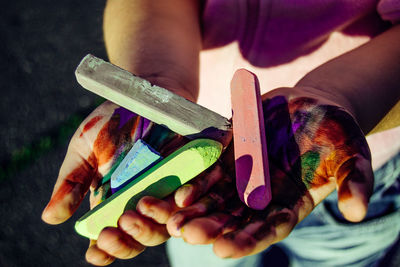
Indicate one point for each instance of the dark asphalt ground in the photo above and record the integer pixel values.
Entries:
(41, 44)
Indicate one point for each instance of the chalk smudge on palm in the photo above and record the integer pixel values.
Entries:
(130, 128)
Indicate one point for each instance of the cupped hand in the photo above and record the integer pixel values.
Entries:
(96, 147)
(314, 146)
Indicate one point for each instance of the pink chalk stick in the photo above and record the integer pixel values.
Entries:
(250, 146)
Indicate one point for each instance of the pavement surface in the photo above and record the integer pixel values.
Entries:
(41, 44)
(41, 105)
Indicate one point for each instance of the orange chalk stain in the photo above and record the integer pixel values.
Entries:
(134, 128)
(103, 147)
(111, 137)
(321, 177)
(90, 124)
(70, 193)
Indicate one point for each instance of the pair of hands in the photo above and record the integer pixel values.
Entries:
(314, 146)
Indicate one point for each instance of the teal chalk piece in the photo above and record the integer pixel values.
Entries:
(140, 158)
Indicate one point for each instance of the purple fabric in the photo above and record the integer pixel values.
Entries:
(275, 32)
(390, 10)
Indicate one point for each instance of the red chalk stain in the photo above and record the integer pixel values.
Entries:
(104, 148)
(330, 133)
(71, 192)
(90, 124)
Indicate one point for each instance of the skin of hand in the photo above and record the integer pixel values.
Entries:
(145, 44)
(151, 39)
(141, 37)
(104, 137)
(314, 146)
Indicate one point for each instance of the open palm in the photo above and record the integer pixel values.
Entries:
(314, 146)
(96, 148)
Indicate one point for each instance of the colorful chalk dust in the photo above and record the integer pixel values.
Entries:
(139, 158)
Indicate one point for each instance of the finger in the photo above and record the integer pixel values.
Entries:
(214, 201)
(205, 230)
(115, 242)
(156, 209)
(189, 193)
(142, 229)
(355, 184)
(96, 256)
(78, 170)
(227, 160)
(256, 236)
(70, 188)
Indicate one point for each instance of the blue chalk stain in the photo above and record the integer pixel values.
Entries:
(140, 158)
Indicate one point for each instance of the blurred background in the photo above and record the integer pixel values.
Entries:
(41, 105)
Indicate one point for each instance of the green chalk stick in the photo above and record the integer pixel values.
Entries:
(160, 181)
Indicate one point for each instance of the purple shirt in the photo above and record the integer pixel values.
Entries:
(271, 32)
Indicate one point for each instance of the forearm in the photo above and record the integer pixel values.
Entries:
(366, 81)
(157, 40)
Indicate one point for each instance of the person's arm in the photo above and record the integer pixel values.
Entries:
(157, 40)
(366, 81)
(315, 145)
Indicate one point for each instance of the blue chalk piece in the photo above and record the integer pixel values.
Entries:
(140, 158)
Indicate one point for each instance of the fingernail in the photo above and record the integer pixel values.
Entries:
(44, 214)
(51, 216)
(133, 230)
(146, 212)
(177, 233)
(178, 221)
(227, 257)
(183, 195)
(186, 190)
(108, 260)
(149, 213)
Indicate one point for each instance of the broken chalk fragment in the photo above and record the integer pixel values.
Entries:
(140, 158)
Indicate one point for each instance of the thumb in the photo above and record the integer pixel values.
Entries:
(76, 174)
(355, 181)
(79, 169)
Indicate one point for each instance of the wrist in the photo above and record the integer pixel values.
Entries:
(156, 42)
(187, 89)
(169, 76)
